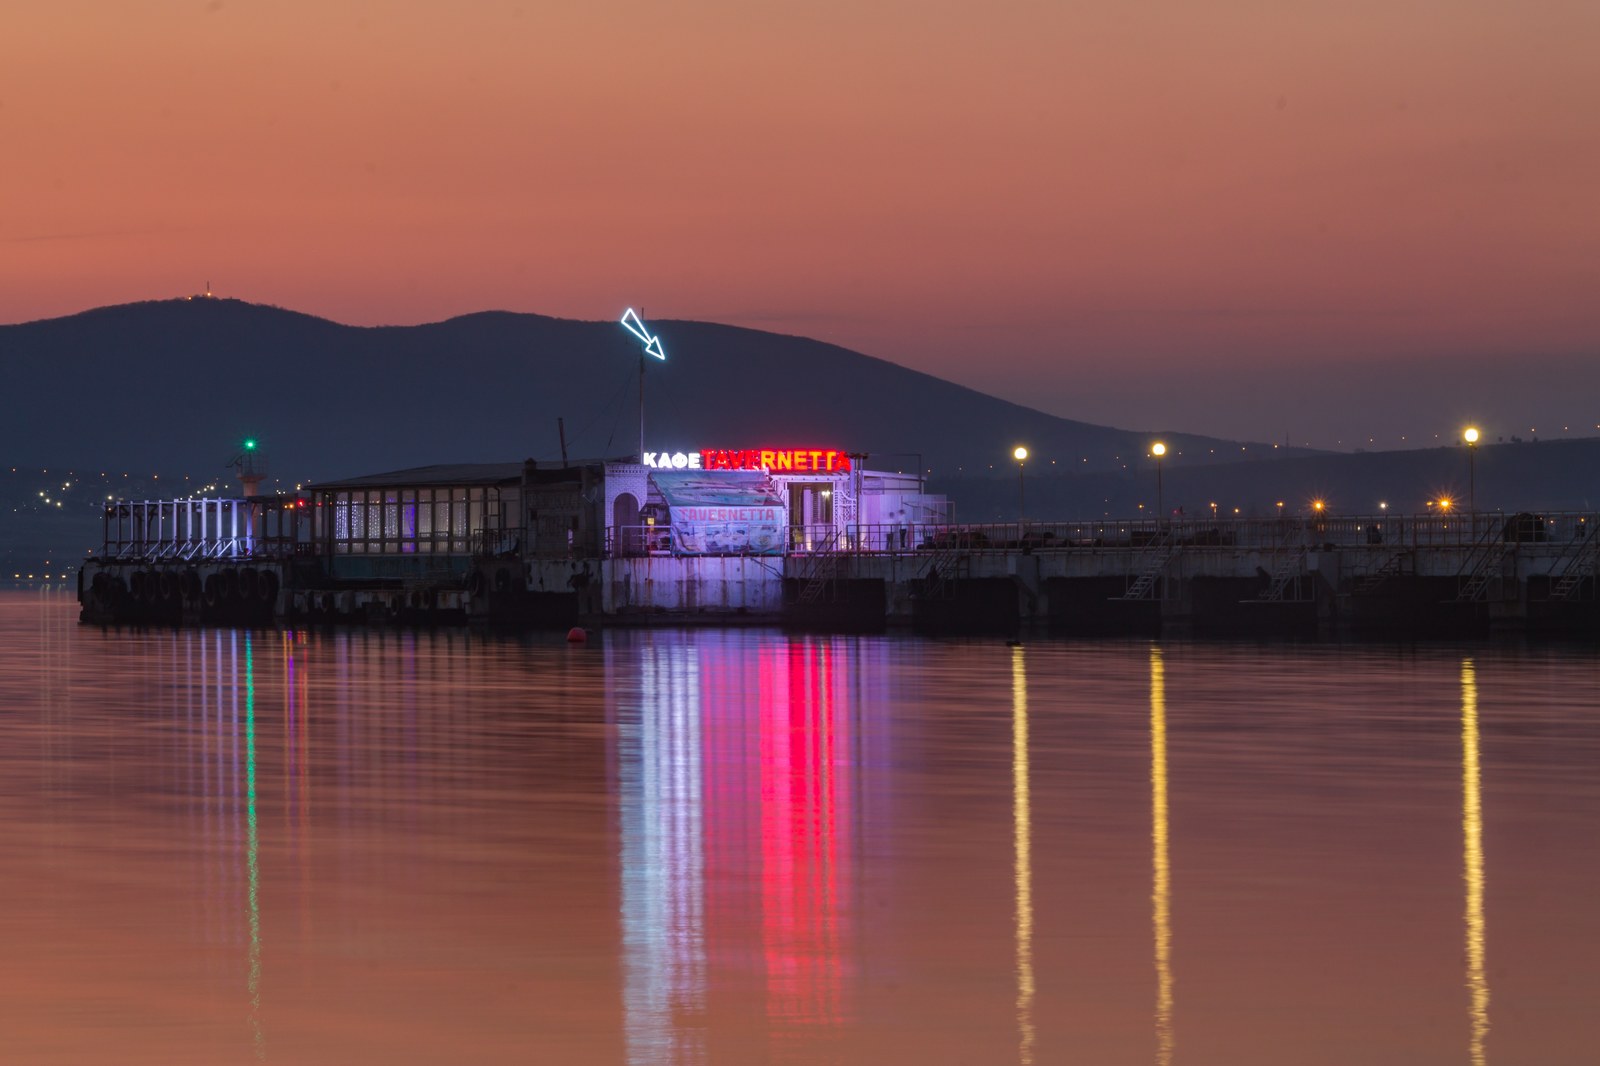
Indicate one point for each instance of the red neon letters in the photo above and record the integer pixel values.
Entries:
(777, 460)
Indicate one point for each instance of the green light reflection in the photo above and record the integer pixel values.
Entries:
(251, 843)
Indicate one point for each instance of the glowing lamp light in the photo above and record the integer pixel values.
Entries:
(1318, 505)
(1019, 453)
(1158, 449)
(1444, 503)
(250, 445)
(1471, 435)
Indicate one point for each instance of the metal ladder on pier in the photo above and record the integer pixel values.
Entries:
(821, 568)
(1290, 568)
(1584, 563)
(943, 568)
(1393, 566)
(1152, 562)
(1482, 566)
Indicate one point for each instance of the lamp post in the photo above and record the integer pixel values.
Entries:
(1020, 454)
(1158, 450)
(1470, 435)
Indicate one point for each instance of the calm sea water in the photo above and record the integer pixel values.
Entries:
(221, 846)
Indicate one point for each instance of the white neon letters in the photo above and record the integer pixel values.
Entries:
(672, 460)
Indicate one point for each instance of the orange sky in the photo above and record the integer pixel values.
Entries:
(1057, 202)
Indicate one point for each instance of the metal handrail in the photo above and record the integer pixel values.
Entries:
(1389, 532)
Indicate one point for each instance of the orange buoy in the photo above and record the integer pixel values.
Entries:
(576, 635)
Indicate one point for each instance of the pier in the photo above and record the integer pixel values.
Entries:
(269, 562)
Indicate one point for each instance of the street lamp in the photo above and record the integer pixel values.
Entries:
(1158, 450)
(1471, 437)
(1020, 454)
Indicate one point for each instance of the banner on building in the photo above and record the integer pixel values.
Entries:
(723, 514)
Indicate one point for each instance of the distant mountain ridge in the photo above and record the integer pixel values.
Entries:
(102, 402)
(175, 384)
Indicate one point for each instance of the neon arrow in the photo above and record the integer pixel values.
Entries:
(631, 323)
(634, 325)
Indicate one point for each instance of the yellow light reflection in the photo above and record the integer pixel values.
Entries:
(1161, 894)
(1023, 831)
(1472, 850)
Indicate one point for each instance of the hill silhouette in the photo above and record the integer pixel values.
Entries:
(176, 384)
(153, 399)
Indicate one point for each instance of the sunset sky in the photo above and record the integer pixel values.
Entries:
(1241, 218)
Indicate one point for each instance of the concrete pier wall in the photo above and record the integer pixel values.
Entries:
(1209, 588)
(691, 587)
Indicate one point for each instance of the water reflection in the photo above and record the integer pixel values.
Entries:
(735, 773)
(1022, 832)
(1472, 850)
(218, 668)
(1161, 893)
(807, 854)
(252, 848)
(706, 847)
(663, 864)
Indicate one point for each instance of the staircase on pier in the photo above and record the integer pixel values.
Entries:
(1574, 568)
(1149, 566)
(1483, 564)
(819, 569)
(946, 565)
(1394, 566)
(1286, 573)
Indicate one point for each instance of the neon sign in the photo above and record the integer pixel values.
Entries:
(772, 460)
(672, 460)
(777, 461)
(652, 344)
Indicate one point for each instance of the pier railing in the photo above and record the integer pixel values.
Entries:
(265, 528)
(202, 529)
(1275, 534)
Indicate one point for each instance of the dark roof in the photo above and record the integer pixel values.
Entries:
(459, 474)
(442, 474)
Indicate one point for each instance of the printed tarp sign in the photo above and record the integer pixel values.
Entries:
(725, 513)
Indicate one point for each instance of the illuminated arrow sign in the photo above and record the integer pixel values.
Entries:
(632, 323)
